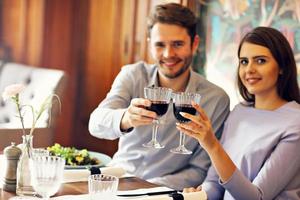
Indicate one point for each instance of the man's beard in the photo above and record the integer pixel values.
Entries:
(186, 65)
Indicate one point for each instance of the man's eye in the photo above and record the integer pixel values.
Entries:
(243, 61)
(261, 61)
(159, 45)
(177, 44)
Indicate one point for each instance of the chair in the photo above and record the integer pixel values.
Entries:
(40, 83)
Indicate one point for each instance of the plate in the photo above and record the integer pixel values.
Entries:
(104, 160)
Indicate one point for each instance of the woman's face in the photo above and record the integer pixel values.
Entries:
(258, 70)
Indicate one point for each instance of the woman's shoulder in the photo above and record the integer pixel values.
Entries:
(242, 106)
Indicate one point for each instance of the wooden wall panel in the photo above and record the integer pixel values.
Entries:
(34, 22)
(98, 71)
(64, 38)
(13, 33)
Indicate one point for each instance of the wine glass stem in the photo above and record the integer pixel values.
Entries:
(155, 129)
(181, 139)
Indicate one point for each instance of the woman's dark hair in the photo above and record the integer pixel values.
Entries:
(287, 85)
(173, 13)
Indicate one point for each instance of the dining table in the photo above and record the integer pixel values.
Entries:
(77, 188)
(80, 187)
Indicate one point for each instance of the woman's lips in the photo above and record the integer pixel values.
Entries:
(252, 80)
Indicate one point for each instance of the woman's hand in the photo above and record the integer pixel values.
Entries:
(199, 127)
(191, 189)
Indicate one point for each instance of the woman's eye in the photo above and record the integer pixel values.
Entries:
(243, 62)
(261, 61)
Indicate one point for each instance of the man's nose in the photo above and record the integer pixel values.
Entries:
(168, 52)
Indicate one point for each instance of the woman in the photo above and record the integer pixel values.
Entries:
(260, 153)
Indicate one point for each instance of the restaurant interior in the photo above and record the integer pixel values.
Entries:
(84, 43)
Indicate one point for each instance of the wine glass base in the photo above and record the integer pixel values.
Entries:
(153, 144)
(181, 150)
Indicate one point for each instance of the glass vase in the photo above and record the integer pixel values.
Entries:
(24, 186)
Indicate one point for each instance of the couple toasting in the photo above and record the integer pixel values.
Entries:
(258, 154)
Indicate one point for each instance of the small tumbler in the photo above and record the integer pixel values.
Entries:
(103, 187)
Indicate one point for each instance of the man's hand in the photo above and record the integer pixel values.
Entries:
(137, 114)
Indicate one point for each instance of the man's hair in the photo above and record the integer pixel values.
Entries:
(287, 86)
(173, 13)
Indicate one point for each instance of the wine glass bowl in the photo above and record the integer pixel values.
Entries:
(187, 108)
(47, 174)
(182, 103)
(159, 107)
(160, 98)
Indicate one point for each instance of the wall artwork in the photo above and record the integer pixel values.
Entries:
(226, 21)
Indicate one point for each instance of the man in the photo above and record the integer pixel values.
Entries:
(122, 114)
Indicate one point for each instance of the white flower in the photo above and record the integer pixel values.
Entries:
(12, 90)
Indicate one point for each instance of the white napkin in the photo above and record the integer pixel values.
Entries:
(73, 197)
(80, 175)
(187, 196)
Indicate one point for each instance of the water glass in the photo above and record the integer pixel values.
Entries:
(40, 152)
(46, 174)
(103, 187)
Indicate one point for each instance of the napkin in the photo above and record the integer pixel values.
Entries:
(201, 195)
(187, 196)
(80, 175)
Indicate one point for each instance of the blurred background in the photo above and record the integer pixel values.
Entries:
(92, 39)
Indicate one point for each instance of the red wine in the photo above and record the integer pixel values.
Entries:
(183, 108)
(160, 107)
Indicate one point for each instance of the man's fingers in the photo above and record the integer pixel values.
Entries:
(141, 102)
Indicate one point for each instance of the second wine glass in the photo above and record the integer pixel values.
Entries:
(160, 98)
(182, 103)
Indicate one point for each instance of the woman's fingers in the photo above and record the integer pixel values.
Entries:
(200, 111)
(191, 189)
(193, 118)
(199, 188)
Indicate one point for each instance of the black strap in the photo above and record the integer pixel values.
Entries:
(176, 196)
(95, 170)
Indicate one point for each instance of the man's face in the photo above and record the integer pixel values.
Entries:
(171, 49)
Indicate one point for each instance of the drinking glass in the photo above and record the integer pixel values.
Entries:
(103, 187)
(182, 103)
(40, 152)
(160, 98)
(47, 174)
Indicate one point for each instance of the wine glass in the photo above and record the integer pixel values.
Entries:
(160, 98)
(47, 174)
(182, 103)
